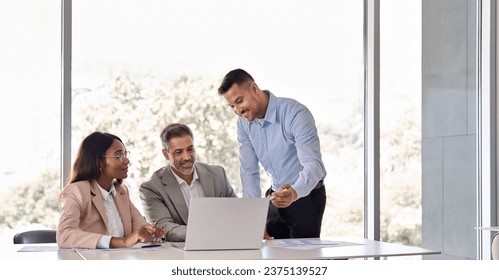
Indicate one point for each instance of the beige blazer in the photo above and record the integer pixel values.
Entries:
(164, 203)
(83, 215)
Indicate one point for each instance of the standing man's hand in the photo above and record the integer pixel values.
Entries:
(266, 236)
(284, 196)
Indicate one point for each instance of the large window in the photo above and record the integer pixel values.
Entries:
(30, 80)
(400, 121)
(139, 65)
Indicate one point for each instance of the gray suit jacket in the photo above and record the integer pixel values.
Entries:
(164, 203)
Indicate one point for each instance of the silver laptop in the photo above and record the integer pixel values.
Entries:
(225, 223)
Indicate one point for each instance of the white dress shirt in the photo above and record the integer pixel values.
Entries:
(114, 223)
(192, 190)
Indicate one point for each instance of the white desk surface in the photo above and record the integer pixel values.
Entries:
(362, 249)
(47, 251)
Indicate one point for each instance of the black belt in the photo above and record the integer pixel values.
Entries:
(319, 185)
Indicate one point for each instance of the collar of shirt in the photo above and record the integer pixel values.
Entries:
(106, 194)
(182, 181)
(270, 115)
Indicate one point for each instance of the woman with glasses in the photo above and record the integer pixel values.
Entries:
(96, 211)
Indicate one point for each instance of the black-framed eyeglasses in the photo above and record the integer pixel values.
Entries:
(120, 156)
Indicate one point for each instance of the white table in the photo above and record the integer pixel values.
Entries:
(363, 248)
(357, 248)
(43, 252)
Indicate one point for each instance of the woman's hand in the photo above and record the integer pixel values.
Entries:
(144, 234)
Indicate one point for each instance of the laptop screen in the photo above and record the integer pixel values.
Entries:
(226, 223)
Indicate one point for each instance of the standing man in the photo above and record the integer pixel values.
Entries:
(166, 196)
(280, 134)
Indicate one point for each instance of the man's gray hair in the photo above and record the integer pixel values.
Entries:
(174, 130)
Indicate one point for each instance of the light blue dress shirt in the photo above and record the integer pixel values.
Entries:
(285, 143)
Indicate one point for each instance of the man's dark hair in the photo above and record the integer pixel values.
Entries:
(236, 76)
(174, 130)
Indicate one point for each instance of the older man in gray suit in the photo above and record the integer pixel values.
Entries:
(166, 196)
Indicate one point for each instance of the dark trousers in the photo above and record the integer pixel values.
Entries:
(302, 219)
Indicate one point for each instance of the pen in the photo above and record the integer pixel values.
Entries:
(150, 245)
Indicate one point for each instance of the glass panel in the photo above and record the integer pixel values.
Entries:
(30, 112)
(400, 124)
(139, 65)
